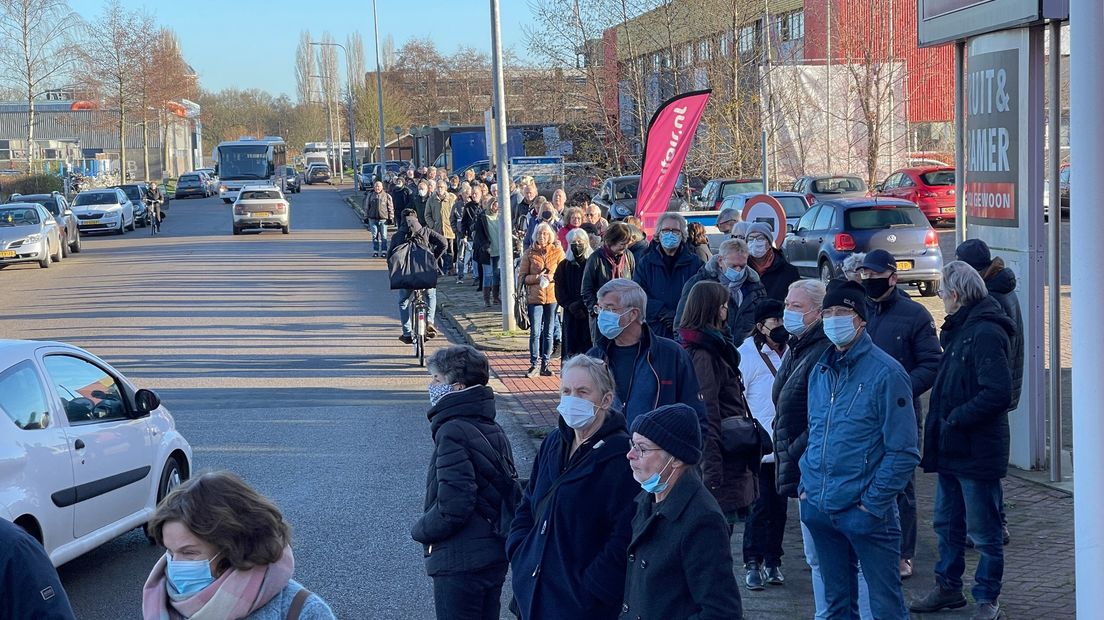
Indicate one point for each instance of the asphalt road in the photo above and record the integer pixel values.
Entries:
(278, 356)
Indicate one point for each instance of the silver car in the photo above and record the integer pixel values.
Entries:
(830, 187)
(104, 210)
(28, 234)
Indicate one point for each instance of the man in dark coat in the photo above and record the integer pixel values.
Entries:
(401, 196)
(411, 230)
(664, 270)
(905, 330)
(29, 585)
(730, 268)
(775, 272)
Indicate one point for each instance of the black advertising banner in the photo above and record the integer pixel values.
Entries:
(992, 138)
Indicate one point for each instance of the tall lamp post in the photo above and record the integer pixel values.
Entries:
(379, 84)
(352, 130)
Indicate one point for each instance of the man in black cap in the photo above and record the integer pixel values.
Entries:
(904, 329)
(862, 449)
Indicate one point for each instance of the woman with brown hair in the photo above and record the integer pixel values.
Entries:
(731, 478)
(538, 273)
(608, 262)
(228, 557)
(699, 243)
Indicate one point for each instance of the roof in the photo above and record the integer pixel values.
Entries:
(19, 204)
(923, 169)
(845, 175)
(775, 194)
(866, 201)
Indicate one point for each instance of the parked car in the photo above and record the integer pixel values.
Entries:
(193, 184)
(830, 187)
(617, 198)
(293, 181)
(104, 210)
(87, 455)
(932, 189)
(581, 181)
(58, 206)
(136, 192)
(716, 190)
(832, 230)
(212, 178)
(317, 173)
(261, 207)
(29, 234)
(371, 172)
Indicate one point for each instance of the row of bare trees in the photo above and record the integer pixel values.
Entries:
(123, 60)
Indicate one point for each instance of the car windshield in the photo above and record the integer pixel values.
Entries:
(49, 204)
(741, 187)
(873, 218)
(19, 216)
(243, 162)
(938, 177)
(96, 198)
(132, 192)
(838, 185)
(260, 195)
(625, 189)
(794, 206)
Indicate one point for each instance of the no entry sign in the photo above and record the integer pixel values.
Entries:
(766, 208)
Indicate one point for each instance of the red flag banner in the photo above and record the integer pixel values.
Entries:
(670, 133)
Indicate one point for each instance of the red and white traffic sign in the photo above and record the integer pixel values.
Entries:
(766, 208)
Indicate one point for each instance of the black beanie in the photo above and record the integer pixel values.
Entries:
(975, 253)
(847, 294)
(675, 429)
(769, 309)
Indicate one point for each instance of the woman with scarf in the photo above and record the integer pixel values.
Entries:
(607, 263)
(569, 294)
(775, 272)
(703, 331)
(227, 557)
(572, 219)
(538, 274)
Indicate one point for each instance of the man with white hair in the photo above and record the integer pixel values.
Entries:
(664, 270)
(730, 268)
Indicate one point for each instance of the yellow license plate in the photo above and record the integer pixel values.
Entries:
(261, 214)
(904, 265)
(90, 222)
(7, 253)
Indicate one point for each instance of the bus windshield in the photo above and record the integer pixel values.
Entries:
(243, 162)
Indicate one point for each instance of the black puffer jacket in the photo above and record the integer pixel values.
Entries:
(778, 277)
(1002, 286)
(791, 402)
(966, 432)
(462, 499)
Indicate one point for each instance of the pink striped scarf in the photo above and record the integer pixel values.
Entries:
(234, 595)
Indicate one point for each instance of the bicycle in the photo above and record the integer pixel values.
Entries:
(154, 217)
(418, 328)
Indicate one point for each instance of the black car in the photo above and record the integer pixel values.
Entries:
(136, 192)
(293, 183)
(317, 173)
(58, 206)
(192, 184)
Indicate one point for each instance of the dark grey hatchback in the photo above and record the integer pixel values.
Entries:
(832, 230)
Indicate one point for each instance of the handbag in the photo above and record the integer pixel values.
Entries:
(521, 305)
(411, 267)
(745, 435)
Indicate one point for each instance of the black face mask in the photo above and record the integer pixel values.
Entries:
(578, 249)
(779, 335)
(875, 287)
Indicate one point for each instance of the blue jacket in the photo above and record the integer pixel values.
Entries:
(905, 329)
(664, 375)
(664, 286)
(569, 562)
(862, 430)
(741, 318)
(30, 585)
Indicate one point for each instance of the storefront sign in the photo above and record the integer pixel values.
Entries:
(992, 137)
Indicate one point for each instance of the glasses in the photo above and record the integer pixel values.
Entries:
(838, 311)
(757, 238)
(638, 451)
(942, 293)
(671, 230)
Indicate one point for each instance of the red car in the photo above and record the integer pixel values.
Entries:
(931, 188)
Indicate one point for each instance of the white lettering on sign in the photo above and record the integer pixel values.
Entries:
(676, 136)
(988, 146)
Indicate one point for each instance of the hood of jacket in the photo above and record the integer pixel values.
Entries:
(474, 402)
(985, 309)
(1003, 282)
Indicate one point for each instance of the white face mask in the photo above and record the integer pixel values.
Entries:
(576, 412)
(423, 192)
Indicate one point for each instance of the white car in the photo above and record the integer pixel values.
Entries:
(84, 455)
(261, 207)
(103, 210)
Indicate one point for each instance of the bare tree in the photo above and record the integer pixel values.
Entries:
(304, 68)
(109, 55)
(36, 50)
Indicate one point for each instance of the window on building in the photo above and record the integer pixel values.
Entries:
(726, 44)
(791, 26)
(705, 50)
(686, 55)
(749, 39)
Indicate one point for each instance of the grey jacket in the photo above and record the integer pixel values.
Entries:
(277, 609)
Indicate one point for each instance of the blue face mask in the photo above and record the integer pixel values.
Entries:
(794, 322)
(188, 577)
(669, 240)
(840, 329)
(652, 484)
(609, 323)
(735, 276)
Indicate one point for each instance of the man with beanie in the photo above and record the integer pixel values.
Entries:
(679, 564)
(862, 449)
(730, 268)
(906, 331)
(775, 272)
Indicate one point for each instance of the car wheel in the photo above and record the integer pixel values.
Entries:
(57, 256)
(226, 200)
(928, 289)
(237, 231)
(171, 477)
(63, 252)
(76, 247)
(825, 272)
(47, 259)
(287, 230)
(121, 230)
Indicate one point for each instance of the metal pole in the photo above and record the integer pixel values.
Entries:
(502, 175)
(828, 90)
(379, 85)
(1054, 246)
(960, 142)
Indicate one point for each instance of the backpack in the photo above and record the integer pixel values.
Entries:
(512, 493)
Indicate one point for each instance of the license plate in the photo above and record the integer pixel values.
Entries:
(7, 253)
(261, 214)
(90, 223)
(904, 265)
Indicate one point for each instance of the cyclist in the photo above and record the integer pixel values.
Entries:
(154, 198)
(410, 229)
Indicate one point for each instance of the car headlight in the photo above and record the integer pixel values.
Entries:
(222, 188)
(35, 238)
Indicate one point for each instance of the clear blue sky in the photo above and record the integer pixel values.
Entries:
(251, 43)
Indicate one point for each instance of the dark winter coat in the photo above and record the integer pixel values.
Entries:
(741, 318)
(966, 431)
(1002, 286)
(423, 236)
(640, 248)
(378, 207)
(778, 277)
(569, 562)
(906, 331)
(481, 238)
(418, 203)
(462, 502)
(598, 271)
(32, 588)
(791, 402)
(664, 375)
(576, 313)
(469, 216)
(680, 563)
(401, 198)
(664, 285)
(732, 480)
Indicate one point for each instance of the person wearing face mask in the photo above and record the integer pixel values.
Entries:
(610, 261)
(569, 535)
(775, 272)
(439, 218)
(401, 196)
(486, 248)
(679, 563)
(730, 268)
(227, 556)
(906, 331)
(760, 357)
(862, 450)
(546, 214)
(703, 331)
(419, 200)
(966, 441)
(473, 209)
(464, 551)
(663, 272)
(569, 294)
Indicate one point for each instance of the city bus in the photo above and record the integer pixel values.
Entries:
(248, 160)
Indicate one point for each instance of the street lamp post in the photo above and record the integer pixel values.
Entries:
(352, 125)
(379, 83)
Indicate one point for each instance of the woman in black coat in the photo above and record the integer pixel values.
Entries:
(569, 294)
(680, 565)
(569, 535)
(464, 553)
(611, 260)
